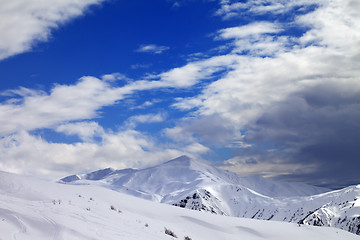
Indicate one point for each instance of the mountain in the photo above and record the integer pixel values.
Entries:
(33, 209)
(198, 185)
(182, 174)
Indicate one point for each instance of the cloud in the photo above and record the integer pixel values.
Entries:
(29, 109)
(251, 29)
(28, 154)
(213, 130)
(194, 72)
(145, 118)
(152, 48)
(139, 66)
(258, 38)
(295, 97)
(24, 23)
(233, 9)
(286, 104)
(197, 148)
(253, 83)
(86, 131)
(321, 127)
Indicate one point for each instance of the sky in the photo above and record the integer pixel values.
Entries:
(264, 87)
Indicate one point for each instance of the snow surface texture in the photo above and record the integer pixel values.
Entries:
(32, 209)
(197, 185)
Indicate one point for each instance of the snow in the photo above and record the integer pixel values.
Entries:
(183, 174)
(34, 209)
(198, 185)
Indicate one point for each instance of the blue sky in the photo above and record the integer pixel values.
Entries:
(265, 87)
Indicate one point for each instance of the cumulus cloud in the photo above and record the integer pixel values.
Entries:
(68, 109)
(86, 131)
(152, 48)
(258, 38)
(23, 23)
(121, 149)
(29, 154)
(30, 109)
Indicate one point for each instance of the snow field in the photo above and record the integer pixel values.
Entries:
(32, 209)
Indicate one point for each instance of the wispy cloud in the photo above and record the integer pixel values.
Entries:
(146, 118)
(138, 66)
(23, 23)
(256, 28)
(152, 48)
(233, 9)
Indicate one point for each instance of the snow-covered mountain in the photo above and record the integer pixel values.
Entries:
(32, 209)
(198, 185)
(182, 175)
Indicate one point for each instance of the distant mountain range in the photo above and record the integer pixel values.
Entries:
(198, 185)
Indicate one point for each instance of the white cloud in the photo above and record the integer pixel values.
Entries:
(23, 23)
(178, 134)
(85, 130)
(293, 92)
(193, 72)
(37, 109)
(27, 154)
(257, 38)
(24, 153)
(145, 118)
(335, 25)
(30, 109)
(197, 148)
(152, 48)
(146, 104)
(115, 77)
(230, 10)
(255, 28)
(254, 83)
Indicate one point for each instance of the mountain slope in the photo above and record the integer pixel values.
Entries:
(184, 173)
(32, 209)
(197, 185)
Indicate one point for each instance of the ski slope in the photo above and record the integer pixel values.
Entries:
(33, 209)
(197, 185)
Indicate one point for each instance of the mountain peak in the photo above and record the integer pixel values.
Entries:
(184, 160)
(191, 163)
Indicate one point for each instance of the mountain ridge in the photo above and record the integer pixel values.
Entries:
(190, 170)
(198, 185)
(34, 209)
